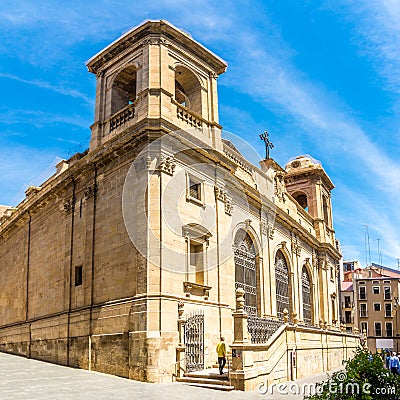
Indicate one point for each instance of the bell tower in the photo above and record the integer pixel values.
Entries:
(307, 182)
(156, 75)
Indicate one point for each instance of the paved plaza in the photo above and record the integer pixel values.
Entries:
(21, 378)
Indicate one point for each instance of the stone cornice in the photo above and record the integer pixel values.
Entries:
(156, 32)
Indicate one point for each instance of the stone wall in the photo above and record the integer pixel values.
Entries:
(44, 314)
(293, 352)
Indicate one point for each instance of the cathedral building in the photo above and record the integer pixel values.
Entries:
(138, 254)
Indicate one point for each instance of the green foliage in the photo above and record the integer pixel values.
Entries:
(364, 377)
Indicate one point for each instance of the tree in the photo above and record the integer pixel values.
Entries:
(364, 378)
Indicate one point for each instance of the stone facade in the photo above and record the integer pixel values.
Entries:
(162, 219)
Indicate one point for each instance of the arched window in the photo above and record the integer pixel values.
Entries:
(307, 296)
(123, 89)
(246, 270)
(187, 89)
(282, 283)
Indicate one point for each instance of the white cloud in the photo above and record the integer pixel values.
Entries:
(377, 34)
(21, 167)
(45, 85)
(40, 118)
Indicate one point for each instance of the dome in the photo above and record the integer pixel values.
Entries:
(304, 161)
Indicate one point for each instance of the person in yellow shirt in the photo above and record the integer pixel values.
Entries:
(221, 351)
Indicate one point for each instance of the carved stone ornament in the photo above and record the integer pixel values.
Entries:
(228, 207)
(222, 195)
(90, 191)
(264, 228)
(286, 316)
(314, 259)
(267, 229)
(69, 205)
(279, 186)
(239, 300)
(181, 306)
(167, 165)
(155, 41)
(213, 75)
(295, 318)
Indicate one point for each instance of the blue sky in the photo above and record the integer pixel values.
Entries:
(323, 77)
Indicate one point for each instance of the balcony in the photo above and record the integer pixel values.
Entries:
(122, 117)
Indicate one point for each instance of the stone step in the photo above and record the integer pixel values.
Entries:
(212, 381)
(215, 387)
(217, 384)
(211, 377)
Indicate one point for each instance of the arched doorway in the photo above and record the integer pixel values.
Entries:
(246, 270)
(307, 296)
(283, 286)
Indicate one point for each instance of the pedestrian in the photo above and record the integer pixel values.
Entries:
(387, 359)
(394, 364)
(221, 351)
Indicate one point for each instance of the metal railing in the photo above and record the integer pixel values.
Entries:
(261, 329)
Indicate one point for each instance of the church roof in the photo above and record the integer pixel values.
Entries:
(155, 27)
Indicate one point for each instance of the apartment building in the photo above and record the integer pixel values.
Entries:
(376, 305)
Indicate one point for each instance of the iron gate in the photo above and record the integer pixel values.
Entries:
(194, 342)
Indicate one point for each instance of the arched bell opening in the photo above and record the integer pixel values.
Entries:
(187, 89)
(301, 199)
(123, 89)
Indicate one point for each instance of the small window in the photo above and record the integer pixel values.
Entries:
(78, 276)
(388, 295)
(389, 329)
(347, 302)
(363, 310)
(377, 306)
(386, 281)
(347, 317)
(376, 290)
(362, 293)
(388, 310)
(375, 282)
(194, 189)
(378, 329)
(196, 262)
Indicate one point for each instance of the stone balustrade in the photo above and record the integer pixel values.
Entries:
(189, 117)
(122, 117)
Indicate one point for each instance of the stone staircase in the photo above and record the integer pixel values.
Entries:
(208, 378)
